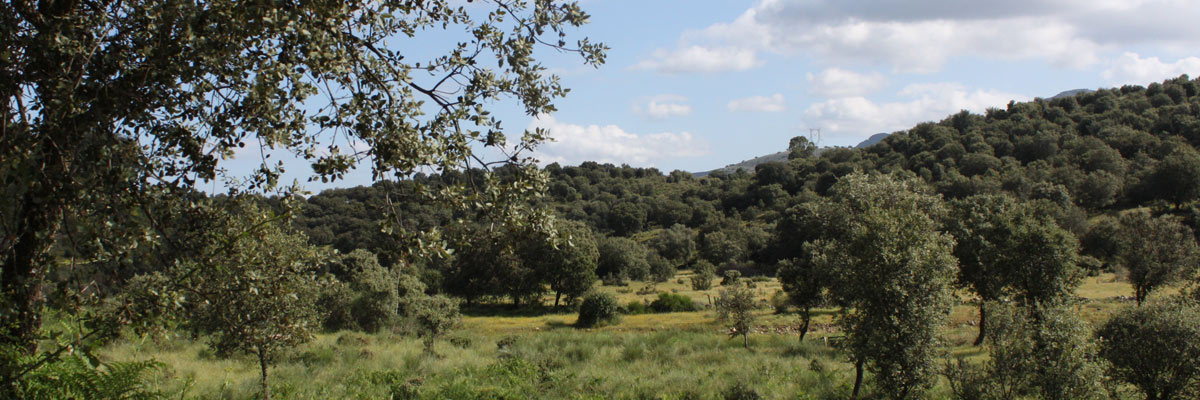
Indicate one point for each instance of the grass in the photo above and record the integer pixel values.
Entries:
(514, 355)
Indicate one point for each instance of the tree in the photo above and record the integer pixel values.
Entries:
(376, 296)
(1177, 177)
(735, 306)
(676, 244)
(435, 316)
(805, 286)
(566, 263)
(981, 226)
(703, 274)
(621, 257)
(1155, 251)
(1156, 348)
(254, 289)
(598, 308)
(1006, 249)
(1052, 356)
(108, 103)
(891, 270)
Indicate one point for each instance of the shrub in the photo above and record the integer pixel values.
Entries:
(705, 272)
(636, 307)
(669, 302)
(597, 309)
(1155, 347)
(741, 391)
(731, 277)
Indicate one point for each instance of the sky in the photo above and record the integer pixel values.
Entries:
(698, 84)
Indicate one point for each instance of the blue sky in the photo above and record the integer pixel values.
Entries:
(695, 85)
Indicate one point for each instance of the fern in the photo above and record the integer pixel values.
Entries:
(74, 377)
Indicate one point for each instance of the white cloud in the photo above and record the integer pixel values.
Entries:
(774, 103)
(1131, 68)
(610, 144)
(836, 82)
(859, 117)
(694, 59)
(922, 35)
(662, 107)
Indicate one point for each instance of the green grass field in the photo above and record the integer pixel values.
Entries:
(672, 355)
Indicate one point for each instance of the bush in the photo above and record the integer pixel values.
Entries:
(731, 277)
(740, 391)
(668, 302)
(1155, 347)
(705, 273)
(598, 309)
(637, 307)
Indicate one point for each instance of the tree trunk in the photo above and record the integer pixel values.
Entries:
(24, 271)
(557, 295)
(1139, 295)
(858, 377)
(982, 323)
(805, 317)
(262, 362)
(746, 339)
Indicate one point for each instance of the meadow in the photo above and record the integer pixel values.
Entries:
(499, 353)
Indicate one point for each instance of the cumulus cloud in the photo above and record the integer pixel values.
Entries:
(662, 106)
(701, 59)
(921, 35)
(1131, 68)
(860, 117)
(774, 103)
(835, 82)
(610, 144)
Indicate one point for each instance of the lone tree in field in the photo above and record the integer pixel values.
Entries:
(735, 306)
(435, 316)
(891, 270)
(567, 262)
(112, 107)
(1155, 251)
(253, 289)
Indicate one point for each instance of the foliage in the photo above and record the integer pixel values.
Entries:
(435, 316)
(735, 306)
(1051, 356)
(114, 109)
(731, 277)
(622, 257)
(566, 263)
(1155, 251)
(705, 272)
(670, 302)
(598, 308)
(77, 378)
(376, 299)
(1005, 249)
(1155, 347)
(252, 290)
(891, 271)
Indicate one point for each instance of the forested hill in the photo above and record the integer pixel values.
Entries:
(1092, 153)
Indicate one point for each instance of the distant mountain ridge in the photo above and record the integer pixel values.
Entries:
(782, 156)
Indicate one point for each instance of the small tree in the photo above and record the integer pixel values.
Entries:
(435, 316)
(805, 287)
(891, 270)
(1156, 348)
(735, 306)
(705, 272)
(598, 308)
(253, 289)
(1156, 251)
(1051, 357)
